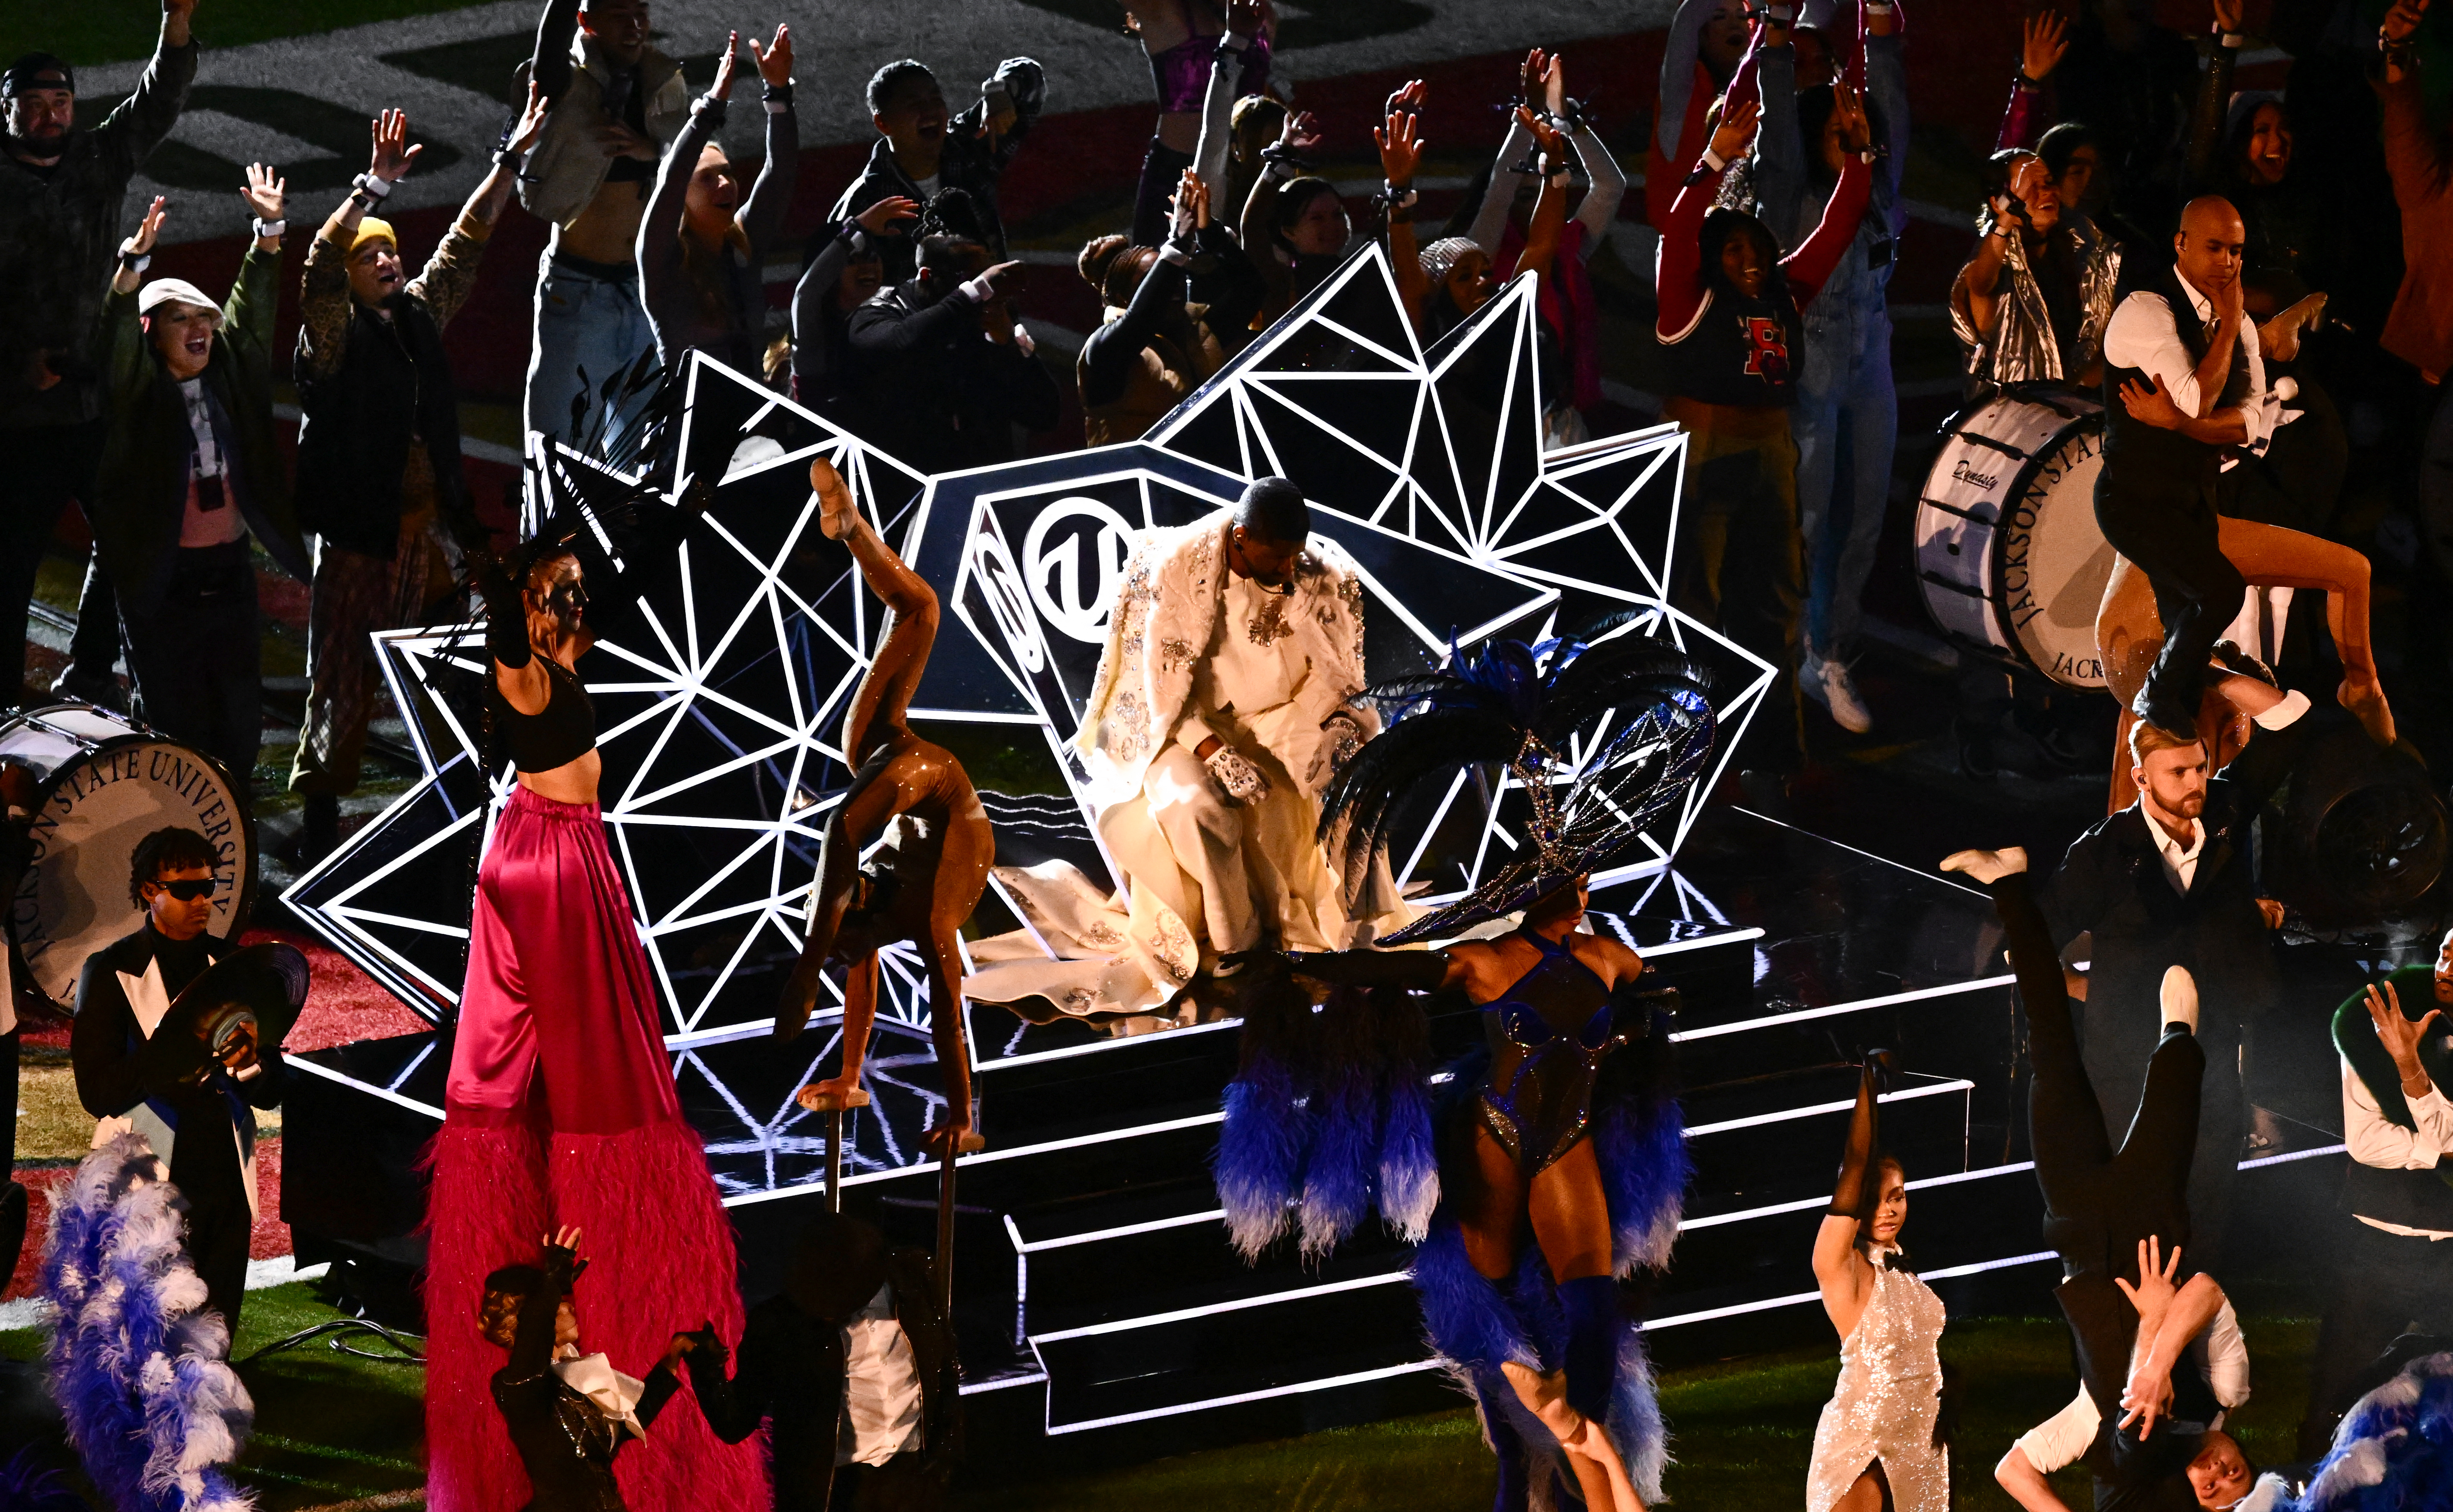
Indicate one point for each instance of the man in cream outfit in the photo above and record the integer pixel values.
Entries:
(1217, 716)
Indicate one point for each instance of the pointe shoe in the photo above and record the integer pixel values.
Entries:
(837, 513)
(1987, 866)
(2180, 998)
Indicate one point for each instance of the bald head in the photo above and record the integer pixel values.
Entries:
(2209, 244)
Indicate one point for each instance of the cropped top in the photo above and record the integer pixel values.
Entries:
(1180, 73)
(1548, 1033)
(564, 731)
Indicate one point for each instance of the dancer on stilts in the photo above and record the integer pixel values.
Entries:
(560, 1109)
(931, 876)
(1563, 1129)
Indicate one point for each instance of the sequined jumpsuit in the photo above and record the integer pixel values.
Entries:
(1883, 1407)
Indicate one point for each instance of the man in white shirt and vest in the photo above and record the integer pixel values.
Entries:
(2184, 382)
(2393, 1298)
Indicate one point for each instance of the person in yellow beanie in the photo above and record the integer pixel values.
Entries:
(379, 477)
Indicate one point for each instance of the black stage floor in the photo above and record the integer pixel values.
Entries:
(1098, 1295)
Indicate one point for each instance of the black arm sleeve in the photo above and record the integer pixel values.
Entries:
(506, 618)
(1848, 1193)
(533, 1338)
(550, 67)
(733, 1408)
(879, 332)
(1108, 356)
(661, 1384)
(1421, 971)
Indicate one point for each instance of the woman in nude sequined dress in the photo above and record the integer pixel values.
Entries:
(1881, 1443)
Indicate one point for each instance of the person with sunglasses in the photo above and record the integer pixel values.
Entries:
(196, 1109)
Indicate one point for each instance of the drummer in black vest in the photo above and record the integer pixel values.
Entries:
(1730, 320)
(2397, 1259)
(2184, 383)
(197, 1110)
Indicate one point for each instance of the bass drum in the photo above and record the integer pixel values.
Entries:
(2008, 554)
(104, 785)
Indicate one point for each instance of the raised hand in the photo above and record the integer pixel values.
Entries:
(530, 125)
(1401, 148)
(725, 69)
(2228, 17)
(2402, 1037)
(775, 62)
(2155, 1289)
(2046, 41)
(393, 152)
(1735, 135)
(265, 193)
(1547, 138)
(1301, 133)
(875, 219)
(1849, 108)
(1191, 211)
(2150, 403)
(1407, 98)
(148, 230)
(2404, 19)
(566, 1238)
(1554, 85)
(1528, 76)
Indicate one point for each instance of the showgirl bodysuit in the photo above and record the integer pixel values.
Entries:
(1549, 1036)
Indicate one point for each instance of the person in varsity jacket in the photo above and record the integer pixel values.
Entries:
(1730, 318)
(2397, 1259)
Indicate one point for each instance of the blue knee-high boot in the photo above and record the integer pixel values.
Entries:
(1594, 1322)
(1513, 1484)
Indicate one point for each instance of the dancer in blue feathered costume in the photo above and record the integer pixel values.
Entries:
(136, 1359)
(1555, 1163)
(2393, 1452)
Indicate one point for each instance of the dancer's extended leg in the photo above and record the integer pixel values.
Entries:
(2270, 556)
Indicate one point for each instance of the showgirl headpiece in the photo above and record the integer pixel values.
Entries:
(1600, 734)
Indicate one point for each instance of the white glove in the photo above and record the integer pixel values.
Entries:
(1236, 776)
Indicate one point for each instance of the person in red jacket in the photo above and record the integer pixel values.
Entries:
(1730, 316)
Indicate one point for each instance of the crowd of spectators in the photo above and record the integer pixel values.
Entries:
(902, 325)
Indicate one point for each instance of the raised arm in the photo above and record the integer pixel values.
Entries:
(550, 66)
(1218, 97)
(533, 1336)
(1490, 216)
(1886, 86)
(1401, 153)
(2214, 96)
(451, 273)
(1780, 169)
(2414, 155)
(1111, 352)
(1550, 211)
(659, 246)
(139, 122)
(1678, 271)
(247, 314)
(762, 213)
(1840, 1272)
(2045, 39)
(1812, 263)
(2148, 1395)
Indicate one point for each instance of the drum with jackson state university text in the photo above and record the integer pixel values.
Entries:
(104, 783)
(2008, 556)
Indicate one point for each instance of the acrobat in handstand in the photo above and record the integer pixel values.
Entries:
(934, 867)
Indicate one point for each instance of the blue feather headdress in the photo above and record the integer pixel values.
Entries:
(1601, 734)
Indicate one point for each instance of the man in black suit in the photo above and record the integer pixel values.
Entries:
(2171, 881)
(196, 1112)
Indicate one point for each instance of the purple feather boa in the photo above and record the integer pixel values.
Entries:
(137, 1364)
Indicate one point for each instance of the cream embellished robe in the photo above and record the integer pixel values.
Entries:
(1193, 651)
